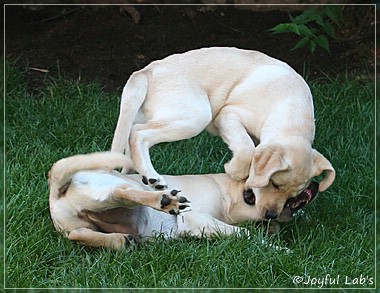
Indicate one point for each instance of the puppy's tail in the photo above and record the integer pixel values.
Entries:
(132, 98)
(62, 171)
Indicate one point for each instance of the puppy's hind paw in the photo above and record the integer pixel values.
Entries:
(154, 183)
(173, 203)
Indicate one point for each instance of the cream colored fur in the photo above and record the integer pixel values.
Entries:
(99, 207)
(241, 95)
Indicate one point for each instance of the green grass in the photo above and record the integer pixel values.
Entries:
(334, 236)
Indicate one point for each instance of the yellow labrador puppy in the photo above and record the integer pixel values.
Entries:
(97, 206)
(245, 97)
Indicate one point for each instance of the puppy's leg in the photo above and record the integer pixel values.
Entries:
(93, 238)
(179, 122)
(203, 225)
(233, 133)
(167, 201)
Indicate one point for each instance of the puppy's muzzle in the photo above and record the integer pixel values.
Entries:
(250, 199)
(292, 205)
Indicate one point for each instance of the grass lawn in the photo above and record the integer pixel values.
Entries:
(333, 239)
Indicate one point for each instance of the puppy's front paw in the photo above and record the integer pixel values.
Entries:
(158, 184)
(235, 171)
(172, 203)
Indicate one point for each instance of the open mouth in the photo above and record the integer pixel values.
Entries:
(304, 198)
(295, 203)
(292, 205)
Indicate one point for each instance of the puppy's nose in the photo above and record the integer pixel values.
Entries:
(271, 214)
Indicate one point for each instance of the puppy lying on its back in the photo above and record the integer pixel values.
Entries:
(92, 204)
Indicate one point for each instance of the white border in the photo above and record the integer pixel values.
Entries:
(173, 288)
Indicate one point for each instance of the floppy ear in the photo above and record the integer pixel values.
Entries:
(321, 164)
(267, 161)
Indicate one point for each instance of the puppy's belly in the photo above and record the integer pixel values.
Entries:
(141, 221)
(98, 185)
(157, 223)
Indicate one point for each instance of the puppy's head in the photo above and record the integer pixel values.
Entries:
(293, 204)
(280, 173)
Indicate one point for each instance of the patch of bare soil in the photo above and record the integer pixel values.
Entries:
(101, 44)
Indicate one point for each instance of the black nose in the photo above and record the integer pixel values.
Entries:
(270, 214)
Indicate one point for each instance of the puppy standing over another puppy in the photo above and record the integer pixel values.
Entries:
(242, 95)
(96, 206)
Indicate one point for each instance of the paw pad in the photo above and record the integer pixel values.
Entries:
(174, 192)
(173, 212)
(152, 182)
(165, 201)
(160, 187)
(183, 199)
(172, 203)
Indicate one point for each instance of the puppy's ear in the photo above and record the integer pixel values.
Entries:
(321, 164)
(267, 161)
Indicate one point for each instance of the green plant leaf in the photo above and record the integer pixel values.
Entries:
(321, 22)
(306, 31)
(312, 46)
(307, 16)
(335, 14)
(323, 42)
(302, 43)
(330, 30)
(286, 28)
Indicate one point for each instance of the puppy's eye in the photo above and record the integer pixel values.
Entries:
(276, 186)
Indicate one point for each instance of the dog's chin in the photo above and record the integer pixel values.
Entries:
(286, 215)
